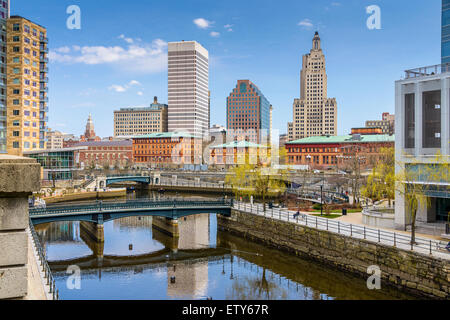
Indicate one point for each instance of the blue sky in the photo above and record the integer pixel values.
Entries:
(119, 57)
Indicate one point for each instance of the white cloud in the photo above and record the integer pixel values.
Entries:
(229, 27)
(123, 88)
(203, 23)
(305, 23)
(134, 83)
(63, 49)
(128, 40)
(214, 34)
(142, 57)
(118, 88)
(140, 93)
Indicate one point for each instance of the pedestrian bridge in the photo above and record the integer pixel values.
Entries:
(101, 212)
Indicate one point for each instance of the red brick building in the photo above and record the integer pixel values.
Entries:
(104, 153)
(167, 148)
(336, 151)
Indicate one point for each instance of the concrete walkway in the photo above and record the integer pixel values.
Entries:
(395, 238)
(356, 218)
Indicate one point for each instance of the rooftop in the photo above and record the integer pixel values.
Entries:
(116, 143)
(427, 71)
(346, 139)
(162, 135)
(55, 150)
(239, 144)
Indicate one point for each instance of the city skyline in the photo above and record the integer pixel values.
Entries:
(91, 72)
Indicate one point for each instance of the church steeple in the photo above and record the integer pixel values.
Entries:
(89, 133)
(316, 41)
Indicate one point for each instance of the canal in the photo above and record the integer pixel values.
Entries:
(139, 261)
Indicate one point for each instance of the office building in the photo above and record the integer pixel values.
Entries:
(314, 114)
(445, 42)
(139, 121)
(248, 114)
(422, 126)
(55, 139)
(188, 85)
(27, 86)
(387, 123)
(4, 15)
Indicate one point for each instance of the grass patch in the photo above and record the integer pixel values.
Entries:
(328, 216)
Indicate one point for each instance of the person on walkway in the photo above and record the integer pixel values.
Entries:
(297, 214)
(448, 247)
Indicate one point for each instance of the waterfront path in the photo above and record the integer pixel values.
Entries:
(432, 247)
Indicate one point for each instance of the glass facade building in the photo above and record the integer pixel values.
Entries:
(57, 165)
(445, 44)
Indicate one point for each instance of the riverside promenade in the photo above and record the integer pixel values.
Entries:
(422, 269)
(424, 245)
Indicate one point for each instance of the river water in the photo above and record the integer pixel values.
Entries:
(138, 261)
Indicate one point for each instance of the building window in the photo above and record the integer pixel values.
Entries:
(409, 120)
(16, 145)
(431, 119)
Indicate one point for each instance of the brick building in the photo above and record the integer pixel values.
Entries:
(104, 153)
(239, 152)
(177, 148)
(336, 151)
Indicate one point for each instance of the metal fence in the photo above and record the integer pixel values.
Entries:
(43, 263)
(395, 239)
(105, 207)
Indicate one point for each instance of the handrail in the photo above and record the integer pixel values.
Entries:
(133, 204)
(44, 264)
(385, 237)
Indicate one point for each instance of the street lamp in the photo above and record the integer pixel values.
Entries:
(321, 200)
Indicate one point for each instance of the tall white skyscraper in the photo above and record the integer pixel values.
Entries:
(188, 87)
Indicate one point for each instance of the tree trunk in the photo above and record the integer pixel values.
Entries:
(413, 227)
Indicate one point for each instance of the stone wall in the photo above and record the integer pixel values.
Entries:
(19, 177)
(418, 274)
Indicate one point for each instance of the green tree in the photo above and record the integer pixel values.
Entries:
(414, 180)
(381, 182)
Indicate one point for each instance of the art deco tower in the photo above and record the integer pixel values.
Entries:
(314, 113)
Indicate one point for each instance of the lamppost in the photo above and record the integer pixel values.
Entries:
(321, 199)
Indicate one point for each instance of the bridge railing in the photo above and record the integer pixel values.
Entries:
(127, 205)
(390, 238)
(44, 264)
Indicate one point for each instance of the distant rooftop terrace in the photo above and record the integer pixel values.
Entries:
(427, 71)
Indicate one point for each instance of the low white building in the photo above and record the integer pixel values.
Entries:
(422, 117)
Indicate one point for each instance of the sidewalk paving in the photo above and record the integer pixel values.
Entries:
(356, 218)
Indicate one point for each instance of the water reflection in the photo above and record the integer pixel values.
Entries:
(138, 261)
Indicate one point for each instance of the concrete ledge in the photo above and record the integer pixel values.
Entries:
(13, 214)
(13, 248)
(419, 274)
(19, 175)
(13, 282)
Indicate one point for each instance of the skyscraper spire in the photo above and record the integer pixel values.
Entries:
(316, 41)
